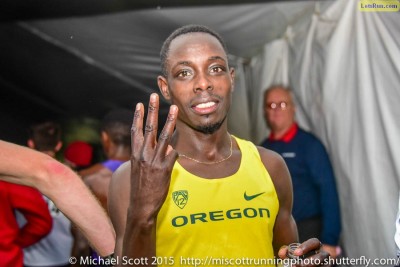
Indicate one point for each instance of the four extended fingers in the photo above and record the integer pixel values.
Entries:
(143, 144)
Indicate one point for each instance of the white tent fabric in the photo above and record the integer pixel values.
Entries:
(239, 118)
(345, 73)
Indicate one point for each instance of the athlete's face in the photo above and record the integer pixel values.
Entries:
(199, 81)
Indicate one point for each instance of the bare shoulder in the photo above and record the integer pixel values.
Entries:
(120, 181)
(122, 174)
(272, 160)
(119, 190)
(277, 169)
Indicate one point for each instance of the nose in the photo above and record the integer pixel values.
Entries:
(202, 83)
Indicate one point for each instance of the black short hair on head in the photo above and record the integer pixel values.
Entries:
(192, 28)
(117, 124)
(45, 135)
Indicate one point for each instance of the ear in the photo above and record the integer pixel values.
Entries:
(58, 146)
(31, 144)
(232, 73)
(163, 86)
(104, 137)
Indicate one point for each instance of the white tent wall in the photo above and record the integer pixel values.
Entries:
(238, 118)
(344, 70)
(270, 67)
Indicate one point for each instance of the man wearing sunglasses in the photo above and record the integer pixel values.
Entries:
(315, 203)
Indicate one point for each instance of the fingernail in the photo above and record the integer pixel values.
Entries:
(173, 109)
(153, 97)
(137, 106)
(298, 251)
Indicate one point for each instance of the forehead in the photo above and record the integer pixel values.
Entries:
(278, 94)
(196, 43)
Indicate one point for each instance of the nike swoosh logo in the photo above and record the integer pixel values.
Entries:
(248, 198)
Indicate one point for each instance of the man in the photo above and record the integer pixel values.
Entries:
(55, 248)
(199, 193)
(29, 202)
(116, 142)
(315, 202)
(28, 167)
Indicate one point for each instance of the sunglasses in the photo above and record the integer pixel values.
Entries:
(281, 105)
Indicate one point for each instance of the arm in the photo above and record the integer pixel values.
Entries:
(118, 203)
(285, 229)
(98, 184)
(322, 174)
(148, 177)
(31, 204)
(28, 167)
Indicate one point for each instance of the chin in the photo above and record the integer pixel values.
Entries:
(210, 128)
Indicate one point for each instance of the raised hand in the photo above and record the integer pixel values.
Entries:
(152, 161)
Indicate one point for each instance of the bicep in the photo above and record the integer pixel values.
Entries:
(22, 165)
(118, 203)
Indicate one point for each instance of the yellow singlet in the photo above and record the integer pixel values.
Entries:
(219, 222)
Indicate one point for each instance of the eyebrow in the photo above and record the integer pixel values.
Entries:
(217, 58)
(186, 63)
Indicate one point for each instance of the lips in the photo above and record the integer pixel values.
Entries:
(205, 107)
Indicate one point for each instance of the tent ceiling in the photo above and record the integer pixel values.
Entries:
(82, 58)
(31, 9)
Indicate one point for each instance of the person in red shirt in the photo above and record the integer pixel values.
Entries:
(22, 165)
(30, 203)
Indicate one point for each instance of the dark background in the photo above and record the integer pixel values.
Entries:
(41, 80)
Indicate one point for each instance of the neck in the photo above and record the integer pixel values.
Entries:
(119, 153)
(200, 146)
(279, 133)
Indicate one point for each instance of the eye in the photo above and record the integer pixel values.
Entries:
(216, 69)
(184, 73)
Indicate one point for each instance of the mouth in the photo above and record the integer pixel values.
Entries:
(205, 107)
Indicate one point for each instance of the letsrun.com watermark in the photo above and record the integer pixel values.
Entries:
(379, 5)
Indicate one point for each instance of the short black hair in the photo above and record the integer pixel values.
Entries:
(45, 135)
(192, 28)
(117, 124)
